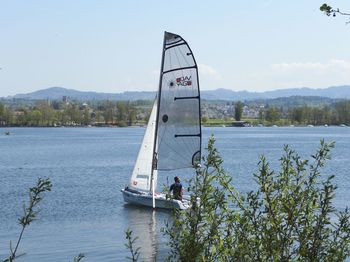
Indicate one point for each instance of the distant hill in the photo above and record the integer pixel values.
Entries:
(226, 94)
(330, 92)
(55, 93)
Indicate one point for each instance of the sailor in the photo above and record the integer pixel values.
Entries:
(177, 189)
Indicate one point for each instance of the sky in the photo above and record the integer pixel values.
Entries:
(115, 46)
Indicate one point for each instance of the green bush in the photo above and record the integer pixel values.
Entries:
(289, 217)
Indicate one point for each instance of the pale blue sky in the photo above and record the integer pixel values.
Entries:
(115, 46)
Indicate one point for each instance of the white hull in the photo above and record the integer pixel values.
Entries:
(144, 199)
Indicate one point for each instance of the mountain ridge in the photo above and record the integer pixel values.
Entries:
(56, 93)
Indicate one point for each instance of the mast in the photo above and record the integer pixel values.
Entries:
(154, 158)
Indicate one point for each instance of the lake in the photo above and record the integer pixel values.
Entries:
(85, 212)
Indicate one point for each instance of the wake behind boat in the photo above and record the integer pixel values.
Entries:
(173, 135)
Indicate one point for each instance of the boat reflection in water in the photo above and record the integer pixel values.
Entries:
(146, 224)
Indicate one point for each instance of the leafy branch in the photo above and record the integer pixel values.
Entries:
(135, 253)
(30, 212)
(288, 217)
(330, 11)
(79, 257)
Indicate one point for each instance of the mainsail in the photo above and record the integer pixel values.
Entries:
(178, 134)
(141, 175)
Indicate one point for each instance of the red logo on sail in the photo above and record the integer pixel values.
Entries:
(184, 81)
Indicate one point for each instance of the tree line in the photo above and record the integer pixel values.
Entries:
(55, 113)
(338, 113)
(306, 115)
(127, 113)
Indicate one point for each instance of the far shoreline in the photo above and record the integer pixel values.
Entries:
(144, 126)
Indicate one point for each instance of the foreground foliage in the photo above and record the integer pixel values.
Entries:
(130, 245)
(30, 212)
(79, 258)
(288, 217)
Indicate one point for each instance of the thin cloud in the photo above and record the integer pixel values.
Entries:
(332, 64)
(155, 72)
(208, 71)
(299, 74)
(341, 63)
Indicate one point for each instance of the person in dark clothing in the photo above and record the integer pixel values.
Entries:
(177, 189)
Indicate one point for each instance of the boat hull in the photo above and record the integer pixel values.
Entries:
(144, 199)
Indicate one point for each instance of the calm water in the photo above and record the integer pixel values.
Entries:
(85, 212)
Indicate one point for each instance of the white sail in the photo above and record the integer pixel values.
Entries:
(179, 114)
(173, 136)
(141, 175)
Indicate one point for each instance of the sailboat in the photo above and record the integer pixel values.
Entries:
(173, 135)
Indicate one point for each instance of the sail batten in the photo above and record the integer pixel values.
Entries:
(180, 68)
(187, 97)
(188, 135)
(175, 45)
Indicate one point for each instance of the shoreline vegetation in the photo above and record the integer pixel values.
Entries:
(66, 113)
